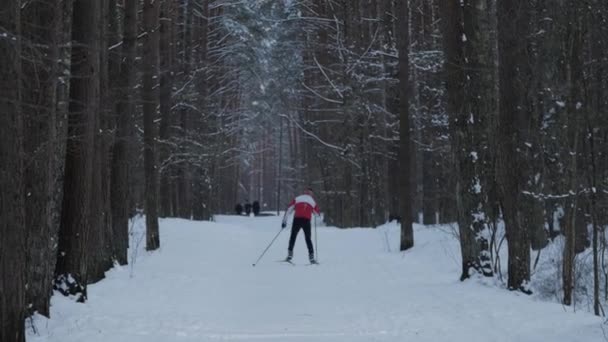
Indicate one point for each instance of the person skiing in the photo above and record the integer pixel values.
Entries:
(304, 207)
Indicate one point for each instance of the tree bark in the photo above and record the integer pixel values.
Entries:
(122, 153)
(166, 102)
(514, 74)
(44, 136)
(12, 201)
(576, 108)
(71, 272)
(100, 240)
(184, 174)
(150, 104)
(407, 229)
(470, 81)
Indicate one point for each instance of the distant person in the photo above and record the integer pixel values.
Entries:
(256, 208)
(247, 208)
(239, 209)
(304, 206)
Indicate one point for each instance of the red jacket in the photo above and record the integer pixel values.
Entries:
(304, 206)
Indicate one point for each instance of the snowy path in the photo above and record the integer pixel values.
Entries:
(201, 287)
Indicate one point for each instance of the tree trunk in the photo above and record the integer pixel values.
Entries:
(44, 134)
(598, 52)
(407, 229)
(121, 154)
(514, 73)
(150, 104)
(576, 108)
(184, 174)
(71, 272)
(12, 201)
(166, 103)
(100, 239)
(470, 82)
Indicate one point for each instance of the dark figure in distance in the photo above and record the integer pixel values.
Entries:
(247, 208)
(394, 217)
(239, 209)
(304, 206)
(256, 208)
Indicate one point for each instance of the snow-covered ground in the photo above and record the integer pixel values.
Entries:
(201, 286)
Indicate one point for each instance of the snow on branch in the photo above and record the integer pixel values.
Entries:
(321, 96)
(312, 135)
(327, 77)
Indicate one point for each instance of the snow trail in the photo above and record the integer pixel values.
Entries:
(201, 287)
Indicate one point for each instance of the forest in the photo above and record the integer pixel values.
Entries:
(488, 115)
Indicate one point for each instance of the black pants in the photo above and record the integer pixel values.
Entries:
(304, 224)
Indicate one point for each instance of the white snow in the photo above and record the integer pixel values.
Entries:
(474, 156)
(476, 186)
(201, 287)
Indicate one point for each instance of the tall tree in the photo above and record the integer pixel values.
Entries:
(71, 272)
(167, 52)
(596, 123)
(405, 169)
(150, 103)
(513, 130)
(100, 252)
(12, 201)
(44, 141)
(183, 177)
(576, 108)
(121, 154)
(469, 67)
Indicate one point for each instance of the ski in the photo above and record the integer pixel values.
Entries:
(316, 263)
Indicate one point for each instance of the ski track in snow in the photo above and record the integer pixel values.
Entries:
(201, 287)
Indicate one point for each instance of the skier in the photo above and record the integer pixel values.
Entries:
(256, 208)
(304, 206)
(247, 208)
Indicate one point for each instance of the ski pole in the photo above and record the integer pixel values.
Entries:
(316, 243)
(271, 242)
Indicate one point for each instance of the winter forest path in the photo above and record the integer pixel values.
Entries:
(201, 287)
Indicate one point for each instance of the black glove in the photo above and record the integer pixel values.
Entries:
(283, 225)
